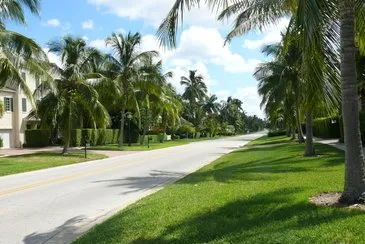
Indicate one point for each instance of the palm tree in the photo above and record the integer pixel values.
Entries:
(150, 90)
(122, 68)
(18, 53)
(211, 106)
(354, 170)
(71, 97)
(318, 28)
(195, 88)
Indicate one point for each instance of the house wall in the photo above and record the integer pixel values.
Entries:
(15, 122)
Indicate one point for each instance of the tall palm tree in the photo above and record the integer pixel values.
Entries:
(18, 53)
(195, 88)
(316, 20)
(122, 68)
(211, 106)
(150, 90)
(71, 96)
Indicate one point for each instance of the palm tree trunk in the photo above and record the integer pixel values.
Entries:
(309, 146)
(299, 125)
(122, 121)
(143, 138)
(164, 125)
(68, 127)
(354, 159)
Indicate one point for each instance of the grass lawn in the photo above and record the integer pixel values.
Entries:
(29, 162)
(153, 146)
(255, 195)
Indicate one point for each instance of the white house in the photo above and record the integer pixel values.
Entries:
(16, 108)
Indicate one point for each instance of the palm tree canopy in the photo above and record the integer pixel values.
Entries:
(13, 10)
(195, 88)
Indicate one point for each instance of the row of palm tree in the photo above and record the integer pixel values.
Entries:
(91, 89)
(329, 35)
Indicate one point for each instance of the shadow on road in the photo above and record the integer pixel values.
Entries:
(65, 233)
(136, 184)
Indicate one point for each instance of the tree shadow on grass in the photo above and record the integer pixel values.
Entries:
(263, 218)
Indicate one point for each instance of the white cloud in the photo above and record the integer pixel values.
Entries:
(52, 22)
(88, 24)
(121, 31)
(152, 12)
(271, 35)
(198, 44)
(53, 58)
(251, 100)
(99, 44)
(85, 38)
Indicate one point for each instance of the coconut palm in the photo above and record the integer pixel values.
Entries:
(18, 53)
(195, 88)
(150, 91)
(122, 68)
(71, 97)
(211, 106)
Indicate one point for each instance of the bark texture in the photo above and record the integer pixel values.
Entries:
(354, 164)
(309, 146)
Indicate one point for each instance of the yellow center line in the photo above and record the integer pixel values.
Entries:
(75, 176)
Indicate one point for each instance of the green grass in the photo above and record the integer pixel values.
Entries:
(256, 195)
(270, 140)
(153, 146)
(30, 162)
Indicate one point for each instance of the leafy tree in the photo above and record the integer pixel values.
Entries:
(71, 97)
(122, 70)
(19, 53)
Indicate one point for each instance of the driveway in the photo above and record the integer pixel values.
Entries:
(59, 204)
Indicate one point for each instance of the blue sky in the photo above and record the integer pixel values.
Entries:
(227, 70)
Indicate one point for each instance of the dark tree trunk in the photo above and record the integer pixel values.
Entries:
(354, 159)
(309, 146)
(122, 121)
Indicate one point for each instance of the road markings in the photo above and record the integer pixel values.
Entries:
(78, 175)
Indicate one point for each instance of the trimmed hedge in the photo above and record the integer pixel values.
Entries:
(276, 133)
(326, 128)
(37, 138)
(94, 137)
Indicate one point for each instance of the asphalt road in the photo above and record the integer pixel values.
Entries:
(59, 204)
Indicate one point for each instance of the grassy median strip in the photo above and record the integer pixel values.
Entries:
(255, 195)
(30, 162)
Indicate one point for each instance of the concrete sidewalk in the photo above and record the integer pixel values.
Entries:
(331, 142)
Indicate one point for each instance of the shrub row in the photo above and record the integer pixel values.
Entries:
(276, 133)
(37, 138)
(326, 128)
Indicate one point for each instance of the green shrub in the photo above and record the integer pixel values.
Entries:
(75, 140)
(276, 133)
(37, 138)
(326, 128)
(1, 142)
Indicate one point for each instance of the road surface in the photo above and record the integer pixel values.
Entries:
(57, 205)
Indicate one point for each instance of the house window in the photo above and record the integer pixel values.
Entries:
(8, 102)
(24, 104)
(24, 76)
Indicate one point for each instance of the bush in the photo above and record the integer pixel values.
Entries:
(326, 128)
(37, 138)
(75, 140)
(1, 142)
(276, 133)
(175, 137)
